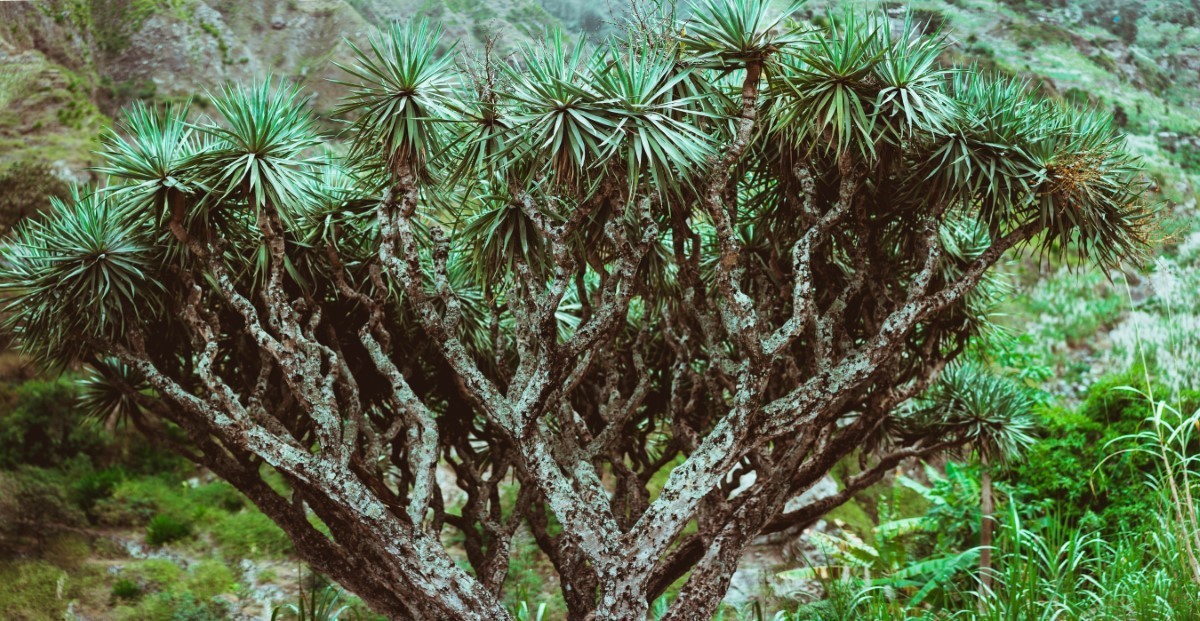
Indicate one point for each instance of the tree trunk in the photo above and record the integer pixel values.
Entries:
(621, 600)
(985, 533)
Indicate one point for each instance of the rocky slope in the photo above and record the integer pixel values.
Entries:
(67, 66)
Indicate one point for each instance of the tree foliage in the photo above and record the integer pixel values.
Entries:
(728, 246)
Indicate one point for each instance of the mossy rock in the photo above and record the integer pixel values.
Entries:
(26, 188)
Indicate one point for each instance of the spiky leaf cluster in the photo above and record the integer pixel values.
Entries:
(991, 412)
(575, 124)
(88, 270)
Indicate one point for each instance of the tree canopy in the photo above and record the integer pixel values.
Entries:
(638, 297)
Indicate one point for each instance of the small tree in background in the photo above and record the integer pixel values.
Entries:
(993, 412)
(718, 248)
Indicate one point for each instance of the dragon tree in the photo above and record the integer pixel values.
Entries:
(634, 298)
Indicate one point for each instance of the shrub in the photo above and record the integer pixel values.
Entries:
(173, 594)
(164, 529)
(95, 486)
(126, 589)
(133, 501)
(67, 550)
(33, 501)
(188, 607)
(148, 459)
(176, 607)
(1076, 469)
(42, 425)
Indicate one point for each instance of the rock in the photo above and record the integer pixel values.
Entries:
(260, 596)
(756, 575)
(64, 171)
(826, 486)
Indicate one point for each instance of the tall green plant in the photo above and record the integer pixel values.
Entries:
(889, 563)
(1171, 438)
(994, 412)
(318, 604)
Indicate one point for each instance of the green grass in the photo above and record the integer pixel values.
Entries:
(209, 514)
(37, 589)
(527, 581)
(208, 579)
(155, 574)
(34, 589)
(166, 591)
(250, 534)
